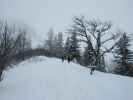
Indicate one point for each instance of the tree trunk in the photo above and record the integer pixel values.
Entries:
(1, 72)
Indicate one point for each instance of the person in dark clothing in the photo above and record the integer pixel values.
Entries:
(69, 59)
(62, 58)
(92, 70)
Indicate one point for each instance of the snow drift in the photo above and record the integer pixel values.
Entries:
(42, 78)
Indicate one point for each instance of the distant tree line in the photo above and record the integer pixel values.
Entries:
(15, 45)
(99, 40)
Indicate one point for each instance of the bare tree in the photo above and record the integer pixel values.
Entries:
(58, 45)
(10, 40)
(50, 40)
(24, 42)
(6, 46)
(95, 34)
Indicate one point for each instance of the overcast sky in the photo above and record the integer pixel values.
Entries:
(44, 14)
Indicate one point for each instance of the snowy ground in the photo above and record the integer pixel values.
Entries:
(44, 78)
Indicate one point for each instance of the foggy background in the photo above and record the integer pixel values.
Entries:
(41, 15)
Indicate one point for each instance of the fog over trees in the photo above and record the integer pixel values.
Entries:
(99, 40)
(15, 45)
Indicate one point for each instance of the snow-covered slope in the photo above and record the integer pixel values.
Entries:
(44, 78)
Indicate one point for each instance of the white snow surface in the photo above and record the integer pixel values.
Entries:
(43, 78)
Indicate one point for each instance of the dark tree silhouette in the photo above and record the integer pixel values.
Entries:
(124, 56)
(97, 30)
(9, 42)
(74, 52)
